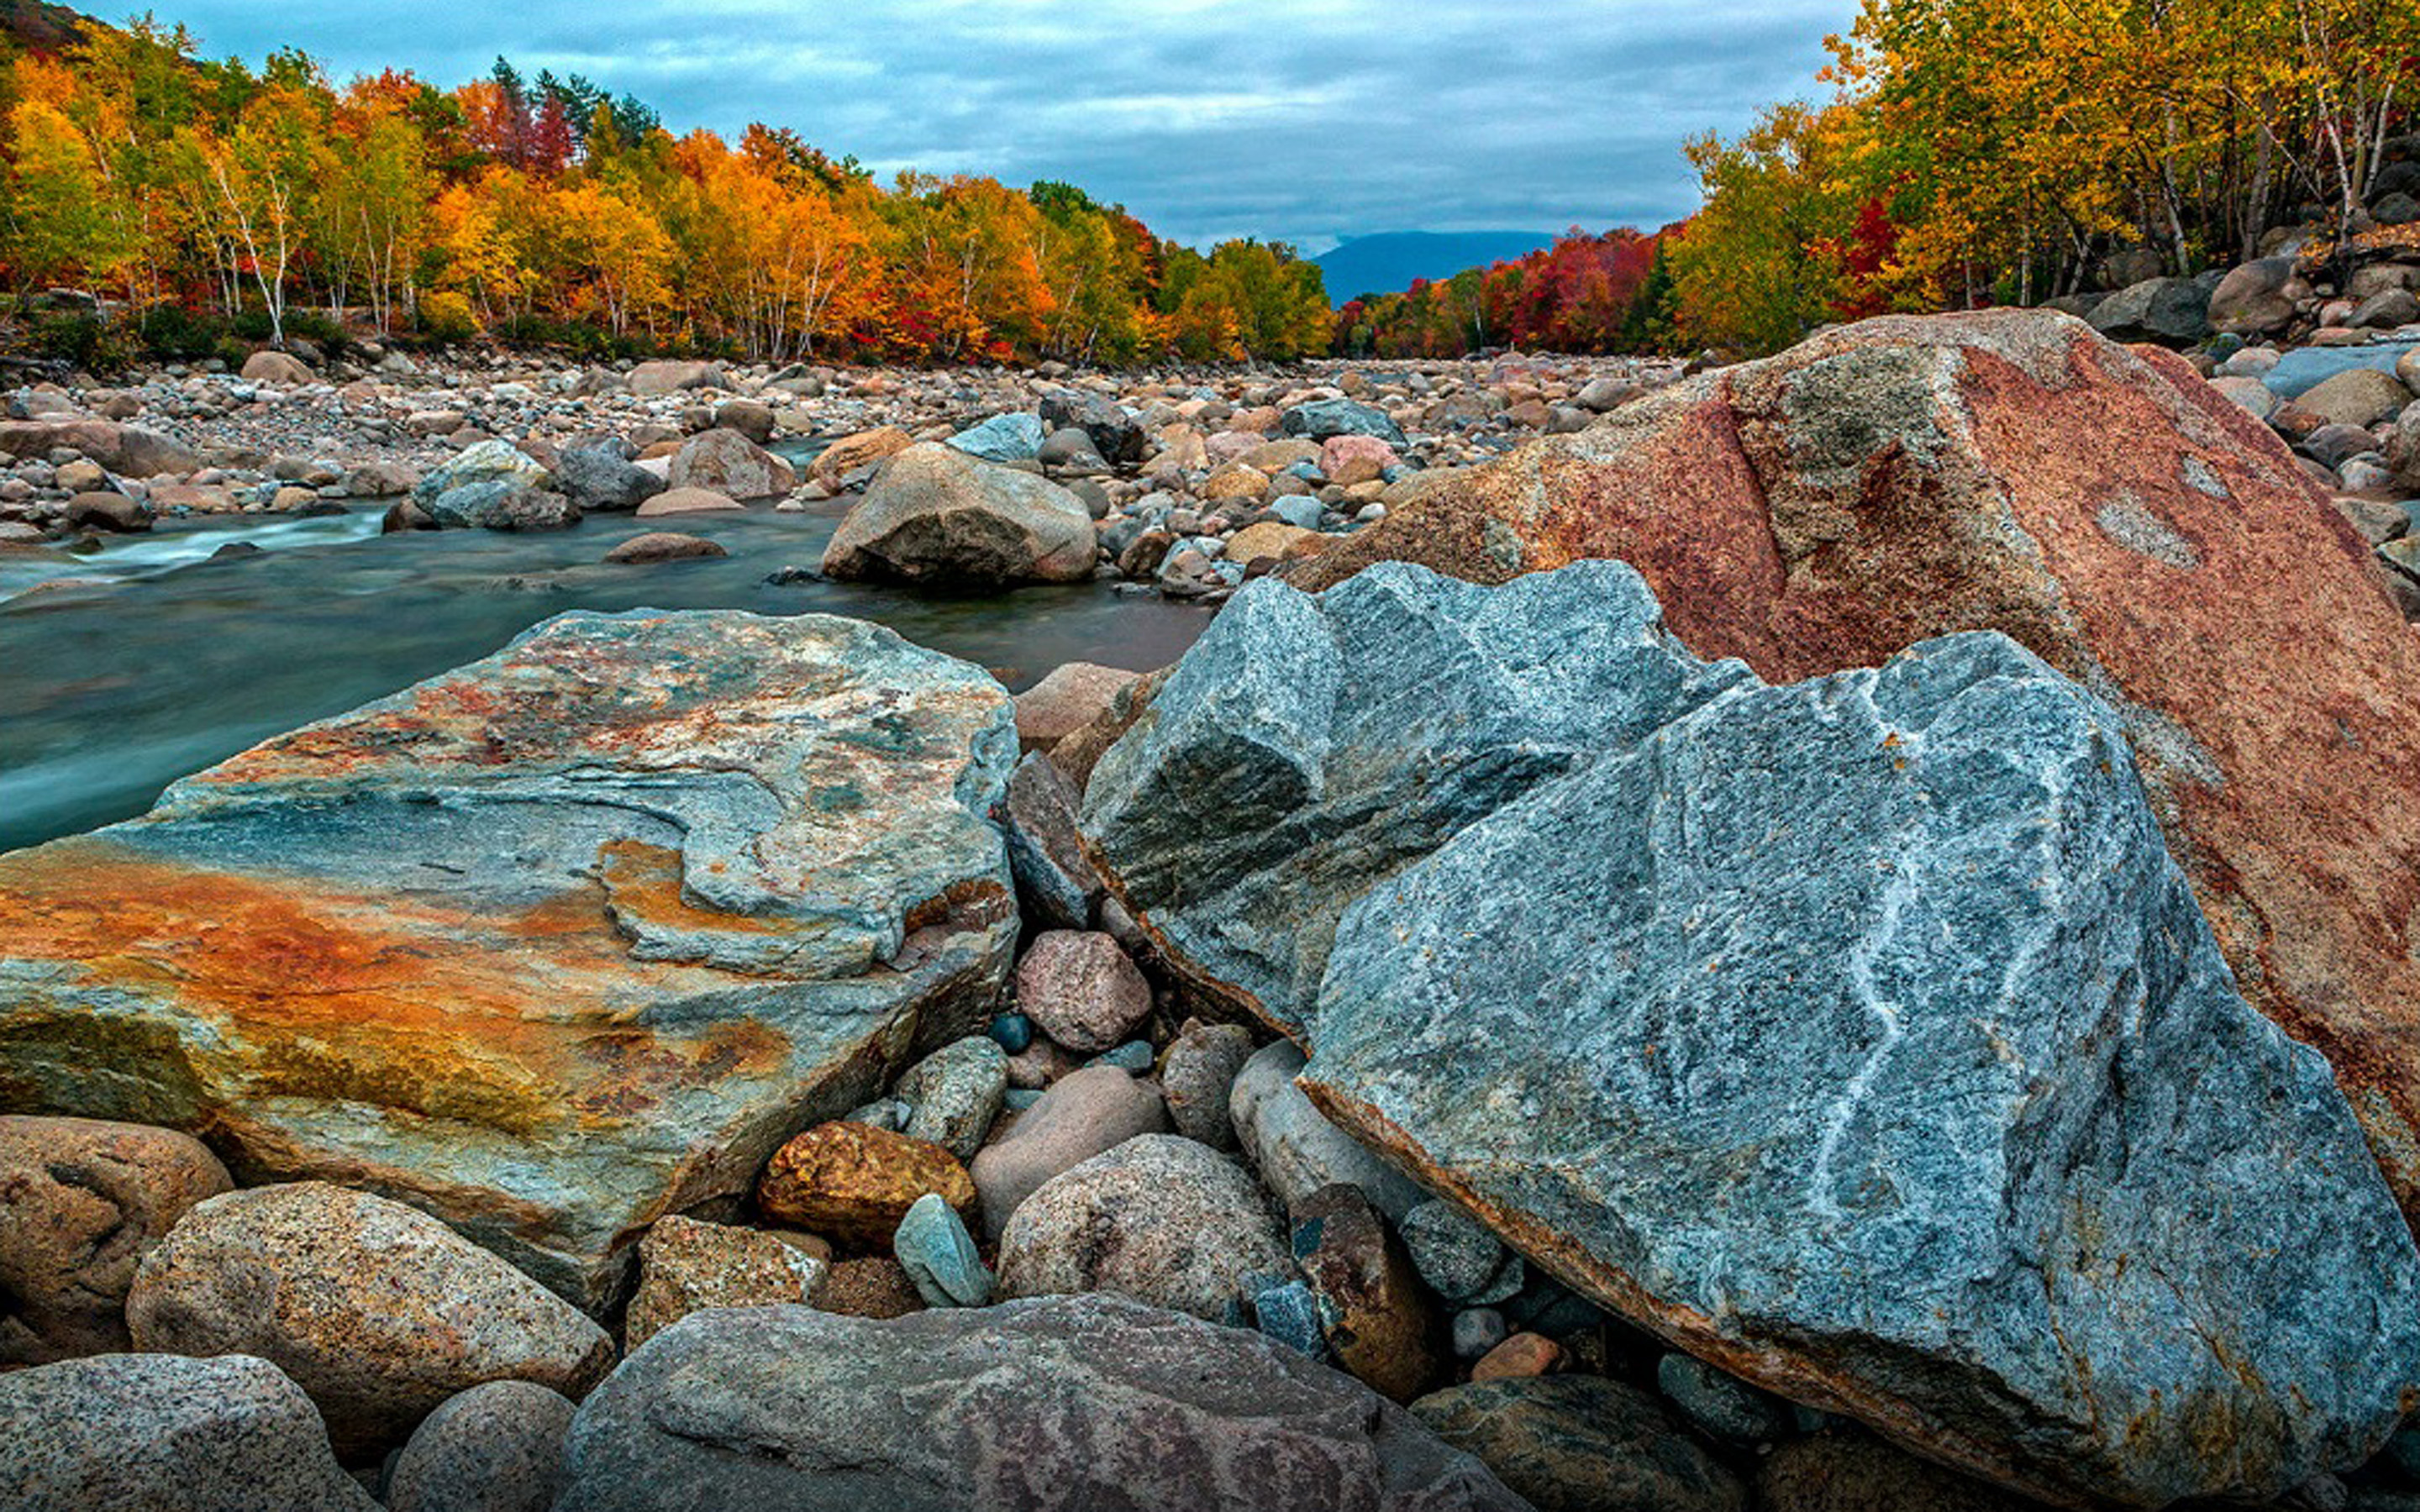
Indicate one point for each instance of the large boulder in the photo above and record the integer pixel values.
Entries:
(2258, 297)
(377, 1310)
(548, 945)
(267, 366)
(1009, 438)
(600, 479)
(81, 1202)
(1074, 1402)
(2174, 310)
(1323, 419)
(1115, 434)
(1594, 917)
(1909, 477)
(727, 461)
(129, 451)
(940, 517)
(667, 376)
(164, 1433)
(495, 485)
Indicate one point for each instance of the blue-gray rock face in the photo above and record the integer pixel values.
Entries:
(1009, 438)
(1091, 1401)
(1858, 1036)
(1322, 418)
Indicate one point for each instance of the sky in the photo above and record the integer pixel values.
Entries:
(1296, 120)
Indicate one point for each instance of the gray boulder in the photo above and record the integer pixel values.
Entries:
(494, 1448)
(602, 479)
(728, 462)
(1116, 436)
(2258, 297)
(1322, 418)
(591, 926)
(489, 462)
(1294, 1146)
(940, 518)
(1009, 438)
(503, 505)
(2173, 310)
(1858, 1036)
(162, 1433)
(1070, 1402)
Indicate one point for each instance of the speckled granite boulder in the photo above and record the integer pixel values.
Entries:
(377, 1310)
(940, 517)
(494, 1448)
(1070, 1402)
(685, 1265)
(164, 1433)
(1161, 1219)
(81, 1201)
(549, 944)
(1859, 1036)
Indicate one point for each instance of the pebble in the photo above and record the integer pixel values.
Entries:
(685, 1265)
(1478, 1330)
(1289, 1314)
(1012, 1032)
(933, 1246)
(955, 1094)
(1522, 1354)
(1198, 1078)
(1460, 1258)
(853, 1183)
(1135, 1058)
(1083, 1114)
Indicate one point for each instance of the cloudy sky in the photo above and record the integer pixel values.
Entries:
(1298, 120)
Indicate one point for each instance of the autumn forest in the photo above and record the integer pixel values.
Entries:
(1963, 153)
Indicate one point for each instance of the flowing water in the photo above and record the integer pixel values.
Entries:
(146, 659)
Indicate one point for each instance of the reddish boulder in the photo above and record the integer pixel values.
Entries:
(1909, 477)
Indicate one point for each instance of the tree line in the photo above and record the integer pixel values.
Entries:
(213, 199)
(1977, 152)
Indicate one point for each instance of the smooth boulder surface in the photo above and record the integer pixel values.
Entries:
(81, 1202)
(549, 944)
(494, 1448)
(164, 1433)
(1858, 1036)
(938, 517)
(376, 1309)
(1160, 1218)
(2011, 470)
(1066, 1402)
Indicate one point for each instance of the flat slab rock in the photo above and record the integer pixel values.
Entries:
(1858, 1036)
(550, 945)
(1089, 1401)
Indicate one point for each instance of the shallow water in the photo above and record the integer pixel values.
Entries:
(145, 660)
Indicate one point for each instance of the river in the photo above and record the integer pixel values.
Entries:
(148, 658)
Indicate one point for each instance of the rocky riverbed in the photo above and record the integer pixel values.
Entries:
(1830, 932)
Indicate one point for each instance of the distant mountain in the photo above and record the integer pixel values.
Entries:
(1387, 262)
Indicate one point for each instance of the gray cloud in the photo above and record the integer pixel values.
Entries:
(1297, 119)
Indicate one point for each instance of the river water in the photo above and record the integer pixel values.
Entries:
(147, 659)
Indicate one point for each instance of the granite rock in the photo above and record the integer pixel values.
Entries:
(1071, 1402)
